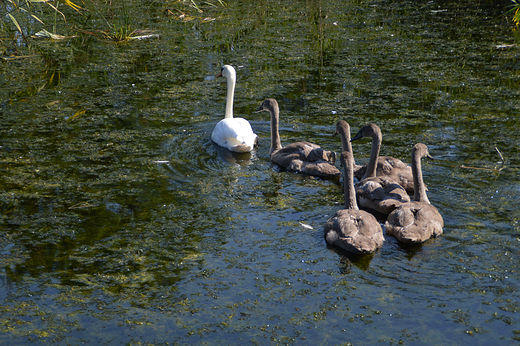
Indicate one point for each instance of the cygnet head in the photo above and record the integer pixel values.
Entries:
(369, 130)
(422, 150)
(268, 105)
(228, 71)
(342, 127)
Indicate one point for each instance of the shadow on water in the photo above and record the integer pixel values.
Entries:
(348, 259)
(230, 157)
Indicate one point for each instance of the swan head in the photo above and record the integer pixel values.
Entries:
(268, 105)
(342, 127)
(421, 150)
(369, 130)
(228, 71)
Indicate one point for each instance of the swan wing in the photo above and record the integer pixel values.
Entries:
(318, 168)
(381, 194)
(307, 158)
(234, 134)
(390, 166)
(354, 230)
(310, 152)
(414, 222)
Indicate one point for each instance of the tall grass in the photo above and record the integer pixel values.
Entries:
(120, 30)
(27, 17)
(516, 10)
(23, 14)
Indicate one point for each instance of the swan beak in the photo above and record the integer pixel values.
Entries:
(335, 134)
(260, 109)
(358, 135)
(219, 75)
(430, 157)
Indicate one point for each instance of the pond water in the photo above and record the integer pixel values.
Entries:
(121, 223)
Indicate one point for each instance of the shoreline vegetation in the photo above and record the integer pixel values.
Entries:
(22, 21)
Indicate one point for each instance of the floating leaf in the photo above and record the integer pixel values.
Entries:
(7, 58)
(306, 226)
(143, 37)
(52, 103)
(45, 34)
(77, 114)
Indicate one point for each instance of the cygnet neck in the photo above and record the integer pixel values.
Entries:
(419, 188)
(272, 107)
(347, 160)
(343, 129)
(377, 138)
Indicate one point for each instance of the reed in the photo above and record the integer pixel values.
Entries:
(183, 10)
(43, 17)
(516, 9)
(25, 14)
(121, 30)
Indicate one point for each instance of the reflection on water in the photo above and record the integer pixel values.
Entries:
(231, 157)
(118, 214)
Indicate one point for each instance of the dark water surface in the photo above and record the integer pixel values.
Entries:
(121, 223)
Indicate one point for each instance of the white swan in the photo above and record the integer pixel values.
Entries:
(234, 134)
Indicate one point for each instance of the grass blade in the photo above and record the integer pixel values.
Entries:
(15, 22)
(38, 19)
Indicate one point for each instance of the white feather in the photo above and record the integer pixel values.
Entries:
(234, 134)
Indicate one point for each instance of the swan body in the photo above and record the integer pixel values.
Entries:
(390, 166)
(418, 220)
(352, 229)
(300, 157)
(386, 165)
(234, 134)
(379, 193)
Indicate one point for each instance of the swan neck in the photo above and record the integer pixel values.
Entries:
(230, 95)
(276, 144)
(374, 154)
(419, 194)
(345, 140)
(347, 160)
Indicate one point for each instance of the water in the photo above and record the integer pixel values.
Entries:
(121, 223)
